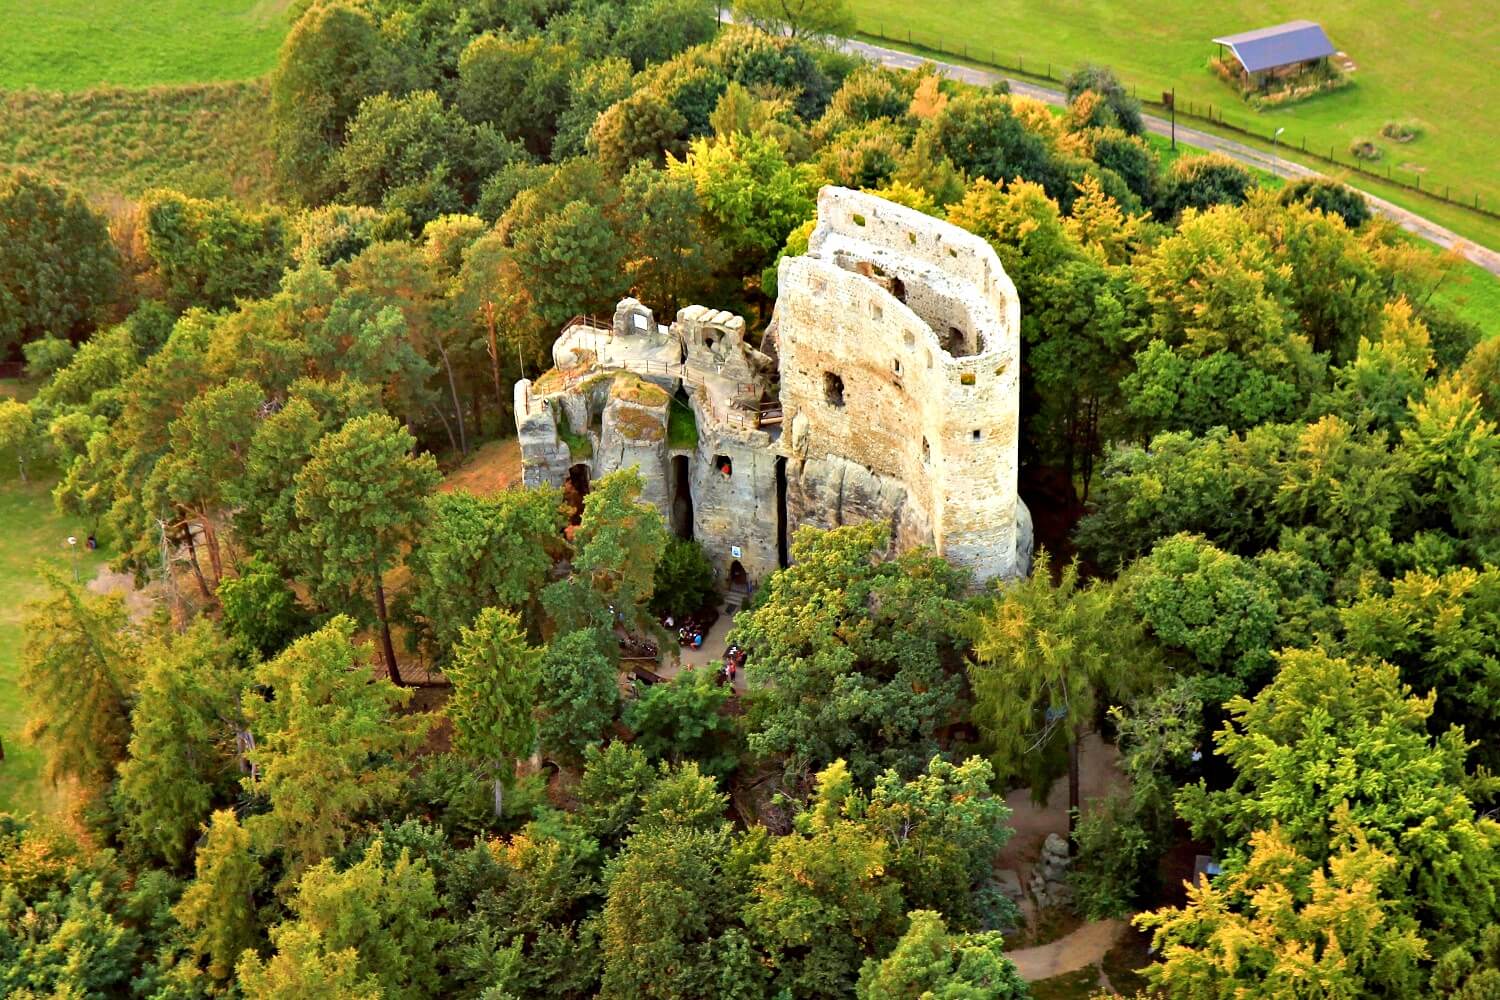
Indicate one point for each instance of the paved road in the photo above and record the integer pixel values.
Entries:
(1410, 221)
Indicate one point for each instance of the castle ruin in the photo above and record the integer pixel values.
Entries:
(886, 388)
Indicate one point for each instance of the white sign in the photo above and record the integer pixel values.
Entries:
(734, 551)
(638, 321)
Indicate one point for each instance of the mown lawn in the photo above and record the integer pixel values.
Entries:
(31, 530)
(1431, 64)
(203, 139)
(76, 44)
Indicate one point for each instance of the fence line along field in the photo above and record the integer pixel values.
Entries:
(1424, 65)
(68, 45)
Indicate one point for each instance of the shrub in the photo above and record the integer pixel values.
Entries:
(1364, 149)
(1102, 81)
(1330, 197)
(1401, 131)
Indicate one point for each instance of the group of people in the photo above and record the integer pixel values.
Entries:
(693, 629)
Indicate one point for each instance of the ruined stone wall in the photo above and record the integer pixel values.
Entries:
(923, 391)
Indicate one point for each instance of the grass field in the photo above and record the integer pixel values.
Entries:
(205, 140)
(68, 45)
(32, 530)
(1431, 64)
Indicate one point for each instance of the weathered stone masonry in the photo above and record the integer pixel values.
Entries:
(886, 389)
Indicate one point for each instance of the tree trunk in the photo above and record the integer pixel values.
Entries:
(489, 320)
(213, 550)
(385, 633)
(21, 467)
(187, 530)
(458, 406)
(1073, 803)
(452, 441)
(499, 792)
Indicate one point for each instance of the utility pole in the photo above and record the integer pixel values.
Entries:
(1275, 161)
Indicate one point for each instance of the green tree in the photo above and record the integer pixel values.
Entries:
(1333, 746)
(218, 910)
(259, 609)
(578, 693)
(18, 433)
(824, 902)
(493, 707)
(798, 18)
(1281, 924)
(943, 828)
(1219, 608)
(572, 261)
(528, 909)
(210, 442)
(619, 543)
(672, 255)
(751, 196)
(78, 673)
(413, 154)
(480, 552)
(983, 138)
(684, 579)
(853, 655)
(671, 928)
(930, 963)
(614, 783)
(383, 910)
(641, 127)
(180, 758)
(333, 58)
(59, 270)
(1102, 81)
(1202, 182)
(1330, 197)
(210, 253)
(683, 719)
(1047, 655)
(1439, 630)
(519, 85)
(362, 495)
(327, 745)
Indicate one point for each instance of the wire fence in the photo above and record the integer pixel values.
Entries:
(1218, 115)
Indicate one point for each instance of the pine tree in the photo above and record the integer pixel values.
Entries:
(77, 672)
(494, 695)
(218, 910)
(362, 496)
(327, 744)
(178, 760)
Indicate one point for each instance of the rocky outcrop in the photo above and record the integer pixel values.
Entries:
(1049, 884)
(633, 432)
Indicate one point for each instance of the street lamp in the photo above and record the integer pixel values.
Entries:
(73, 548)
(1274, 136)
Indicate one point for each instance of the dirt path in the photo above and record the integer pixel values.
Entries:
(138, 603)
(1084, 947)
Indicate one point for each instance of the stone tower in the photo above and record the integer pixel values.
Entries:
(897, 336)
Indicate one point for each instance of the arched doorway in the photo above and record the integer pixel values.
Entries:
(738, 578)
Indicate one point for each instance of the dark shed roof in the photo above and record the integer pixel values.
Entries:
(1267, 48)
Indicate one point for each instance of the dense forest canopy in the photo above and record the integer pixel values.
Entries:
(377, 743)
